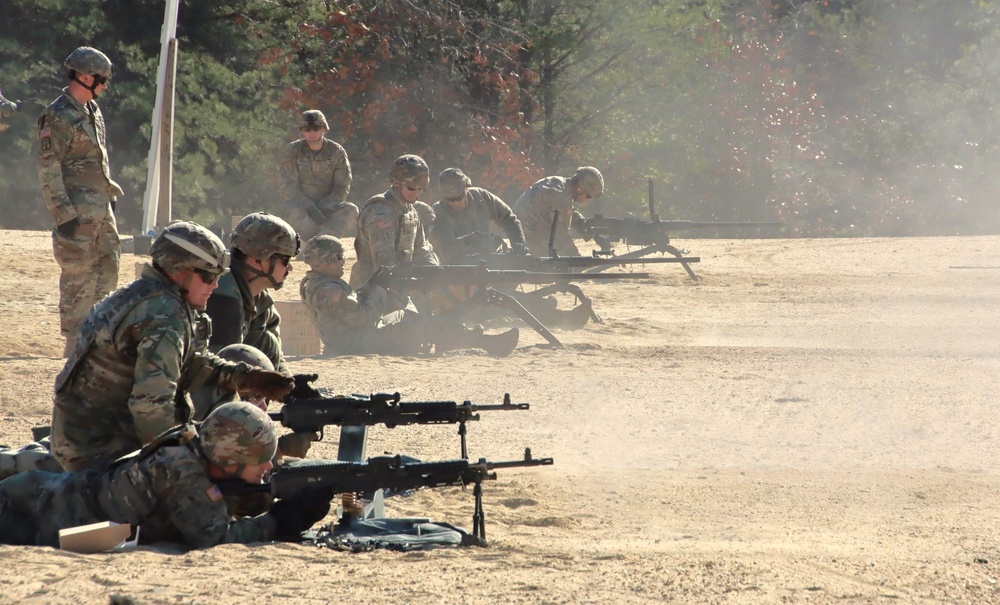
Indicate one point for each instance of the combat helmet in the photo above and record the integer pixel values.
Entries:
(452, 183)
(590, 181)
(238, 434)
(322, 251)
(410, 170)
(181, 245)
(311, 118)
(263, 235)
(90, 61)
(243, 352)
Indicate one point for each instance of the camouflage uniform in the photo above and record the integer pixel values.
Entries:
(133, 353)
(237, 315)
(535, 208)
(315, 184)
(165, 489)
(352, 323)
(74, 174)
(481, 209)
(427, 217)
(7, 109)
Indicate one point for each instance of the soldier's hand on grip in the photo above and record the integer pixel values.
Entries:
(302, 389)
(292, 516)
(296, 445)
(272, 385)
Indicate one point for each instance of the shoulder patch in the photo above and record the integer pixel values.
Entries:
(44, 132)
(213, 492)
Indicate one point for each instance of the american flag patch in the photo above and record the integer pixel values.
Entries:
(213, 493)
(44, 132)
(383, 224)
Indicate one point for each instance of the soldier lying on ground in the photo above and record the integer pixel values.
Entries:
(167, 489)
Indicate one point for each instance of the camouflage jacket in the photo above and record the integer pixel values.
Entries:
(167, 492)
(389, 233)
(73, 159)
(535, 208)
(482, 209)
(134, 356)
(321, 177)
(239, 317)
(342, 316)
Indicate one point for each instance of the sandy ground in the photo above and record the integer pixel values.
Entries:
(813, 422)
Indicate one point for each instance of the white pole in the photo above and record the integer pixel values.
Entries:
(151, 199)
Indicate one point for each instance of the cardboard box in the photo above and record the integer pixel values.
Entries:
(298, 335)
(96, 537)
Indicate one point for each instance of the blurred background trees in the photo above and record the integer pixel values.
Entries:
(849, 117)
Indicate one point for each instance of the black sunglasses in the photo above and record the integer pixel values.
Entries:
(283, 258)
(208, 277)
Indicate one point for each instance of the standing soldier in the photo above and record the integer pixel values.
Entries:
(389, 229)
(242, 310)
(536, 205)
(78, 190)
(7, 109)
(139, 349)
(464, 216)
(315, 181)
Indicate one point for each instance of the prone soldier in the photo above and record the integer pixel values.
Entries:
(315, 181)
(168, 489)
(75, 177)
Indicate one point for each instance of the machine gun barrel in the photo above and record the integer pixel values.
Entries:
(438, 276)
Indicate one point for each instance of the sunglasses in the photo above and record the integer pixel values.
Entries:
(408, 188)
(339, 256)
(100, 80)
(284, 258)
(208, 277)
(312, 129)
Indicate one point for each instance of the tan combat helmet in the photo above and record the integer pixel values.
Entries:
(238, 434)
(263, 235)
(183, 244)
(410, 170)
(312, 118)
(590, 181)
(90, 61)
(250, 355)
(323, 251)
(452, 183)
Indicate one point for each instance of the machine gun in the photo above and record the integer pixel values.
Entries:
(383, 472)
(478, 281)
(311, 415)
(652, 234)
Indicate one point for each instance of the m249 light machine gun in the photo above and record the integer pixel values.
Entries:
(652, 234)
(383, 472)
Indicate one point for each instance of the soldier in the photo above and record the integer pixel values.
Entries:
(427, 217)
(76, 184)
(168, 489)
(389, 229)
(315, 181)
(353, 323)
(137, 351)
(464, 216)
(7, 109)
(242, 310)
(536, 205)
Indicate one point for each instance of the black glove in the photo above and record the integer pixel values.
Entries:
(292, 516)
(519, 248)
(68, 229)
(381, 277)
(303, 390)
(316, 214)
(272, 385)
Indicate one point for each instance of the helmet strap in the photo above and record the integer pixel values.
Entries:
(92, 87)
(258, 273)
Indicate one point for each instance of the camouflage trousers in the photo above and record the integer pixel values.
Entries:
(32, 457)
(35, 505)
(340, 222)
(89, 261)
